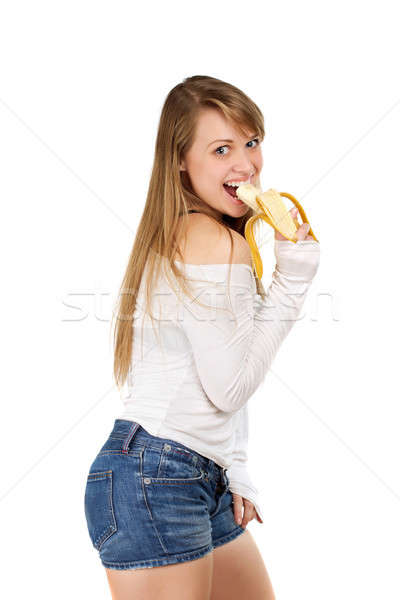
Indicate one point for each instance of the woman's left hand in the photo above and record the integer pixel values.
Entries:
(242, 505)
(302, 231)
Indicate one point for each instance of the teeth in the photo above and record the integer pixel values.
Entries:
(236, 183)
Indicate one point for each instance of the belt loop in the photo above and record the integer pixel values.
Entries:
(129, 437)
(226, 480)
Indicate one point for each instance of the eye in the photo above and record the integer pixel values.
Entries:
(223, 154)
(218, 153)
(255, 140)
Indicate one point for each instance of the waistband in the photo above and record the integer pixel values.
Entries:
(131, 430)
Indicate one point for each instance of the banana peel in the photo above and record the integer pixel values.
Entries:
(270, 207)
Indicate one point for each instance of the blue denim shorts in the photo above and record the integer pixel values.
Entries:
(151, 501)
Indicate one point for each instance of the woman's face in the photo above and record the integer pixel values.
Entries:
(220, 154)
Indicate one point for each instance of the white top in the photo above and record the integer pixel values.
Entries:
(193, 373)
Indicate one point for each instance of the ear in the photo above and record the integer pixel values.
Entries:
(182, 166)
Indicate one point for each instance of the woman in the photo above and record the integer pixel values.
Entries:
(168, 496)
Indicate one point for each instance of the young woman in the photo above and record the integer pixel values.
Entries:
(168, 496)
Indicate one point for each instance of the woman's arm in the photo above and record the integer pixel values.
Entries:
(235, 342)
(238, 475)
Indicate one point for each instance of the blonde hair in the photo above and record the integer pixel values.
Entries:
(171, 195)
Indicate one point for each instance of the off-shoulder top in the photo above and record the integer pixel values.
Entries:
(195, 367)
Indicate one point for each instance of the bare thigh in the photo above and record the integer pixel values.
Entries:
(239, 571)
(190, 580)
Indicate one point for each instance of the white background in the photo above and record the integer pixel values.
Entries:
(81, 89)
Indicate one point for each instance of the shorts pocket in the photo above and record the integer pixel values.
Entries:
(99, 509)
(171, 465)
(177, 507)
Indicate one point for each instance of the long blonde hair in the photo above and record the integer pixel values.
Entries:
(171, 195)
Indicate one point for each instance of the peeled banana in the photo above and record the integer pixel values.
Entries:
(270, 207)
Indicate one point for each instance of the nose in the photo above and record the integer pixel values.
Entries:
(243, 165)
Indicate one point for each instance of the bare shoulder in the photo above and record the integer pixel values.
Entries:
(207, 242)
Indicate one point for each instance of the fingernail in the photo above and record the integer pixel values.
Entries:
(239, 521)
(307, 228)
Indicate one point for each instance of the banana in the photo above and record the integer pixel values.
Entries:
(270, 207)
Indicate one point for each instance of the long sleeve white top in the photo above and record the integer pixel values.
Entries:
(195, 368)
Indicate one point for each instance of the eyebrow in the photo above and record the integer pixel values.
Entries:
(231, 141)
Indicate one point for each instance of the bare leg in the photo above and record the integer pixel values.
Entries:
(239, 571)
(190, 580)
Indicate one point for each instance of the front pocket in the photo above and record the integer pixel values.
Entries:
(177, 508)
(172, 481)
(171, 464)
(99, 509)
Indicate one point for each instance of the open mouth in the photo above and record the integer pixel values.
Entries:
(231, 190)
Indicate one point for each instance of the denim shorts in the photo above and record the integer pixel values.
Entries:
(151, 501)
